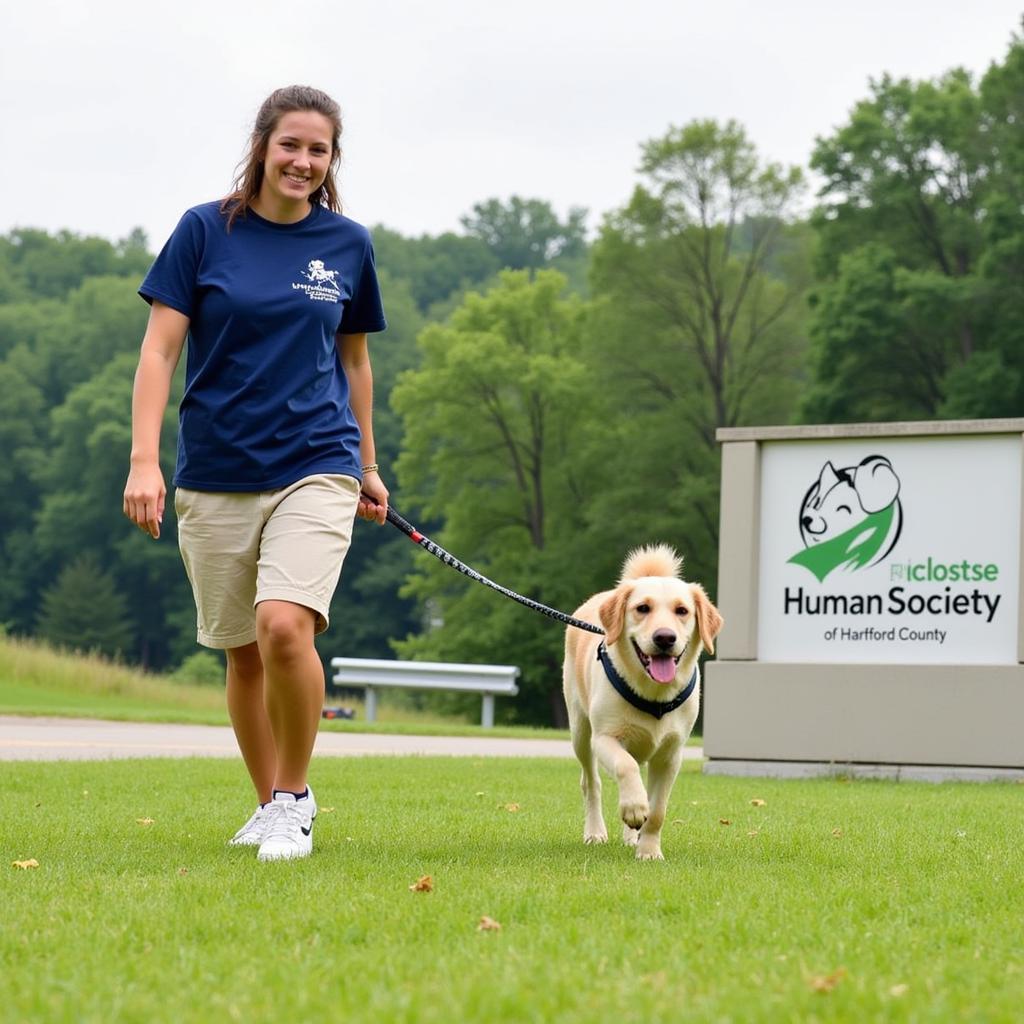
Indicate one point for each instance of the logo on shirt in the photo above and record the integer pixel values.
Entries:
(323, 283)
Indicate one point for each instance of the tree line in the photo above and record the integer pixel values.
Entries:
(545, 401)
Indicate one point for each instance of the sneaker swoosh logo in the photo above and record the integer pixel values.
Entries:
(306, 831)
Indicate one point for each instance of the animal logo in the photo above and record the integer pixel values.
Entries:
(850, 517)
(318, 274)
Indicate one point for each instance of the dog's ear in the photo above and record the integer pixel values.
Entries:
(613, 614)
(827, 479)
(709, 621)
(876, 484)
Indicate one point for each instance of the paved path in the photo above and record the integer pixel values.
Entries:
(77, 739)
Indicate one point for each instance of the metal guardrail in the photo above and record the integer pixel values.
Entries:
(371, 674)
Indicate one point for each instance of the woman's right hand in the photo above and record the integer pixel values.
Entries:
(144, 495)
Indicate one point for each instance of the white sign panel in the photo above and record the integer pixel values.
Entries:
(888, 550)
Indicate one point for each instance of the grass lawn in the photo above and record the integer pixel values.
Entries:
(37, 680)
(833, 901)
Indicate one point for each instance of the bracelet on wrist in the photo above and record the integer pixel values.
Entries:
(371, 467)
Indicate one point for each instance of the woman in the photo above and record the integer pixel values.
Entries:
(276, 291)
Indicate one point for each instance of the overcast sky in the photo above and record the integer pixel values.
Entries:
(123, 113)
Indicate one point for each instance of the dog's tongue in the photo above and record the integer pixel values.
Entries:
(663, 668)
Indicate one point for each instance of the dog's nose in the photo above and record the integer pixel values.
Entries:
(806, 521)
(664, 639)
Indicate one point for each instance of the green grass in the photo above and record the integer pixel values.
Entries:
(37, 680)
(903, 899)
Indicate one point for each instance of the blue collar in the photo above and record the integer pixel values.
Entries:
(658, 708)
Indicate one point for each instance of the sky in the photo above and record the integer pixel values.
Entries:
(122, 114)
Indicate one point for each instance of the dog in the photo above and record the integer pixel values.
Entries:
(656, 625)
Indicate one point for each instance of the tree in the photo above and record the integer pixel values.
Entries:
(40, 265)
(526, 234)
(84, 611)
(699, 325)
(490, 422)
(23, 424)
(434, 268)
(81, 482)
(921, 247)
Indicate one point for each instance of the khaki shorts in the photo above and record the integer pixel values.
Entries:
(282, 545)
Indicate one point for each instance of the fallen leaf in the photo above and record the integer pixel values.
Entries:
(488, 924)
(961, 834)
(25, 864)
(758, 802)
(753, 832)
(837, 832)
(724, 821)
(899, 990)
(145, 821)
(511, 807)
(325, 810)
(826, 982)
(422, 884)
(182, 871)
(480, 793)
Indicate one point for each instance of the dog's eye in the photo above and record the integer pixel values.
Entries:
(643, 609)
(843, 508)
(682, 611)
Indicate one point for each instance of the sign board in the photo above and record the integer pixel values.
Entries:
(890, 550)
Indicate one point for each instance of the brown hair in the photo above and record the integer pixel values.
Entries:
(249, 176)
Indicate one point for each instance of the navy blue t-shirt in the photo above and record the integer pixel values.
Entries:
(266, 400)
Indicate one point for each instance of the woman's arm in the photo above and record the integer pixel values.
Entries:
(355, 359)
(162, 343)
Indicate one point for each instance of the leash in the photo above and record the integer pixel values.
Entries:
(655, 708)
(450, 560)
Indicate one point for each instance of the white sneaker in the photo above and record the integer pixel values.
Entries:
(253, 831)
(289, 828)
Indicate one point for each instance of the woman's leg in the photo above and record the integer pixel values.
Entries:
(293, 687)
(248, 713)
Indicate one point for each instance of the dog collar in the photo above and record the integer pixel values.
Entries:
(658, 708)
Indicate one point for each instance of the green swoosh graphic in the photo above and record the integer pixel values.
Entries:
(855, 548)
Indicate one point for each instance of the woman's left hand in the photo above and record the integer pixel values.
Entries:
(373, 498)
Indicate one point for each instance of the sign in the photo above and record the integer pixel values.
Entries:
(890, 550)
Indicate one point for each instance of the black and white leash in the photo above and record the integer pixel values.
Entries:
(655, 708)
(450, 560)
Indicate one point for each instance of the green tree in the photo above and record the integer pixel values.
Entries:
(526, 234)
(84, 611)
(699, 325)
(82, 480)
(23, 423)
(491, 416)
(434, 268)
(920, 251)
(39, 265)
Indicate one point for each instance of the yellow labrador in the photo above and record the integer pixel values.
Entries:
(633, 696)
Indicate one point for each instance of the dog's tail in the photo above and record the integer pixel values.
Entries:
(653, 560)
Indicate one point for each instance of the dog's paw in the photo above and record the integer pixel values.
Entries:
(650, 853)
(591, 838)
(648, 847)
(634, 812)
(630, 836)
